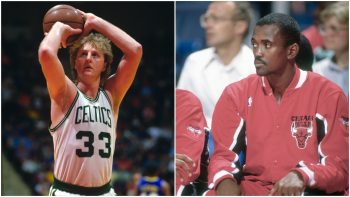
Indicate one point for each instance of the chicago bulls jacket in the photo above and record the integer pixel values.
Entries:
(308, 132)
(191, 138)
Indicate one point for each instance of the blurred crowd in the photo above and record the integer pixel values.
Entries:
(145, 123)
(190, 36)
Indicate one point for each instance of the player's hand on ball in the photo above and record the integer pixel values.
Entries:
(290, 185)
(67, 32)
(90, 21)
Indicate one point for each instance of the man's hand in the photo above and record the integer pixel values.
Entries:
(62, 32)
(228, 187)
(90, 22)
(65, 31)
(184, 167)
(290, 185)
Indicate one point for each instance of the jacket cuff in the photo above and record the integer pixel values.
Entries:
(307, 174)
(305, 177)
(179, 190)
(218, 177)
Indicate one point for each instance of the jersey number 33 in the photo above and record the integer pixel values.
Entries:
(89, 135)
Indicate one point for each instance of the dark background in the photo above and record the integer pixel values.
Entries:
(145, 124)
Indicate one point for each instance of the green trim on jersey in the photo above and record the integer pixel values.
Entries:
(90, 99)
(66, 115)
(109, 101)
(76, 189)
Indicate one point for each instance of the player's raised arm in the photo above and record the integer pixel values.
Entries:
(118, 84)
(50, 64)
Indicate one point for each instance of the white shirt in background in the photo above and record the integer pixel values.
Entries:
(206, 76)
(333, 72)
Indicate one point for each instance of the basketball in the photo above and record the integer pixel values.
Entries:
(65, 14)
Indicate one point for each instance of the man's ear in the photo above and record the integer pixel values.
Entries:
(241, 27)
(292, 51)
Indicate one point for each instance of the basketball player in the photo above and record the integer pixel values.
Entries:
(192, 156)
(291, 124)
(84, 110)
(150, 184)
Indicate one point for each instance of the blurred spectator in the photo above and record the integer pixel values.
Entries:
(207, 72)
(335, 31)
(312, 32)
(300, 10)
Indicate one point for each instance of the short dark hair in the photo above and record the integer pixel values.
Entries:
(288, 26)
(150, 168)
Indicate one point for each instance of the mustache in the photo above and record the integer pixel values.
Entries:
(258, 60)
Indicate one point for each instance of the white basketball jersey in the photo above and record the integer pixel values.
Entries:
(84, 141)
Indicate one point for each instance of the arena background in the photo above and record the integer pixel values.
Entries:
(146, 118)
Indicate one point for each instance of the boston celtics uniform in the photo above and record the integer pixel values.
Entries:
(84, 144)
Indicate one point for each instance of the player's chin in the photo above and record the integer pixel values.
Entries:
(261, 71)
(88, 74)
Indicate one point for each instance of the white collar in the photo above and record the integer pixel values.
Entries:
(231, 65)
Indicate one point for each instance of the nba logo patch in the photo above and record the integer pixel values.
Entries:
(345, 121)
(250, 101)
(195, 132)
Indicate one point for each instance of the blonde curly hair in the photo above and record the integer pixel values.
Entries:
(101, 43)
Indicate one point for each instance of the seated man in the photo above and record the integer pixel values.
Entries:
(192, 155)
(292, 124)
